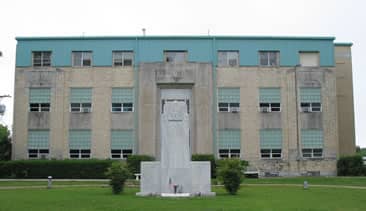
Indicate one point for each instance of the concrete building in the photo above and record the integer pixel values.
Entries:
(285, 104)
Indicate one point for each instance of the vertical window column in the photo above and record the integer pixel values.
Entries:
(229, 143)
(38, 144)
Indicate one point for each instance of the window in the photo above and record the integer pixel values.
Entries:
(81, 58)
(41, 58)
(38, 144)
(312, 143)
(122, 144)
(228, 58)
(310, 99)
(175, 56)
(269, 58)
(39, 99)
(269, 100)
(81, 100)
(79, 143)
(122, 58)
(271, 143)
(228, 100)
(229, 143)
(309, 59)
(122, 100)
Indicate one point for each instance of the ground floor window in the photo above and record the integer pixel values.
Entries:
(38, 153)
(271, 153)
(121, 153)
(312, 153)
(79, 153)
(229, 153)
(80, 107)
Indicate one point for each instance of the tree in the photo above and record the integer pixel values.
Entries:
(118, 174)
(5, 143)
(230, 173)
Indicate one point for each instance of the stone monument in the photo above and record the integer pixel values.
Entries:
(175, 175)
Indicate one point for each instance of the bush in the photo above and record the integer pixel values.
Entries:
(58, 169)
(351, 166)
(134, 162)
(118, 174)
(230, 173)
(207, 157)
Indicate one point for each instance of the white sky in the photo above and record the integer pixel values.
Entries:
(346, 20)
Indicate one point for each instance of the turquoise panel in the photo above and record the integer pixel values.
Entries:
(270, 138)
(122, 95)
(229, 95)
(38, 139)
(151, 49)
(80, 95)
(79, 139)
(269, 95)
(312, 138)
(229, 139)
(310, 95)
(122, 139)
(39, 95)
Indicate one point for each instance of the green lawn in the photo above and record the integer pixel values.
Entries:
(248, 198)
(44, 183)
(347, 181)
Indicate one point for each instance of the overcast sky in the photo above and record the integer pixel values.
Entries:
(343, 19)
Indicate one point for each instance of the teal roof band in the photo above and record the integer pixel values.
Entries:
(151, 48)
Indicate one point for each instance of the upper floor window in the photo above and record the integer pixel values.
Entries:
(122, 99)
(175, 56)
(269, 58)
(310, 99)
(80, 100)
(229, 100)
(228, 58)
(122, 143)
(82, 58)
(39, 99)
(41, 58)
(309, 59)
(122, 58)
(271, 143)
(269, 99)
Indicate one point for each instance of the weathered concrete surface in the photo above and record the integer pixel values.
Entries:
(38, 120)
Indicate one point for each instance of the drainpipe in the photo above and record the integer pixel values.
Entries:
(298, 158)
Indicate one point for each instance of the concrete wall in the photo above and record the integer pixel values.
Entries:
(346, 114)
(156, 76)
(59, 121)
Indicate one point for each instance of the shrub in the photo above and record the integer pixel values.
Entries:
(207, 157)
(350, 166)
(118, 174)
(134, 162)
(230, 173)
(58, 169)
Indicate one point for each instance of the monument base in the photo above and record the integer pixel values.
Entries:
(193, 180)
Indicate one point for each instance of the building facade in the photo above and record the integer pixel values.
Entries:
(285, 104)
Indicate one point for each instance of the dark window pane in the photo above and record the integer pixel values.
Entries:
(263, 104)
(85, 151)
(74, 151)
(43, 151)
(127, 62)
(223, 151)
(116, 151)
(33, 151)
(116, 155)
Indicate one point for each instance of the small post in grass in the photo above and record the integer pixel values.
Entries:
(306, 185)
(49, 185)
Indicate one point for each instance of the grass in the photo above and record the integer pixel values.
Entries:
(44, 183)
(248, 198)
(346, 181)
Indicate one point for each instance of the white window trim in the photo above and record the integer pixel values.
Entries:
(42, 56)
(229, 153)
(39, 107)
(303, 110)
(79, 154)
(269, 108)
(81, 108)
(122, 111)
(82, 58)
(121, 154)
(230, 109)
(227, 64)
(312, 153)
(268, 58)
(123, 63)
(271, 155)
(39, 154)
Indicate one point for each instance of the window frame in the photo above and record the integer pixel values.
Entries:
(271, 154)
(268, 55)
(82, 107)
(122, 52)
(229, 153)
(310, 107)
(42, 59)
(184, 52)
(38, 154)
(122, 154)
(227, 61)
(73, 53)
(39, 107)
(80, 154)
(270, 107)
(312, 153)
